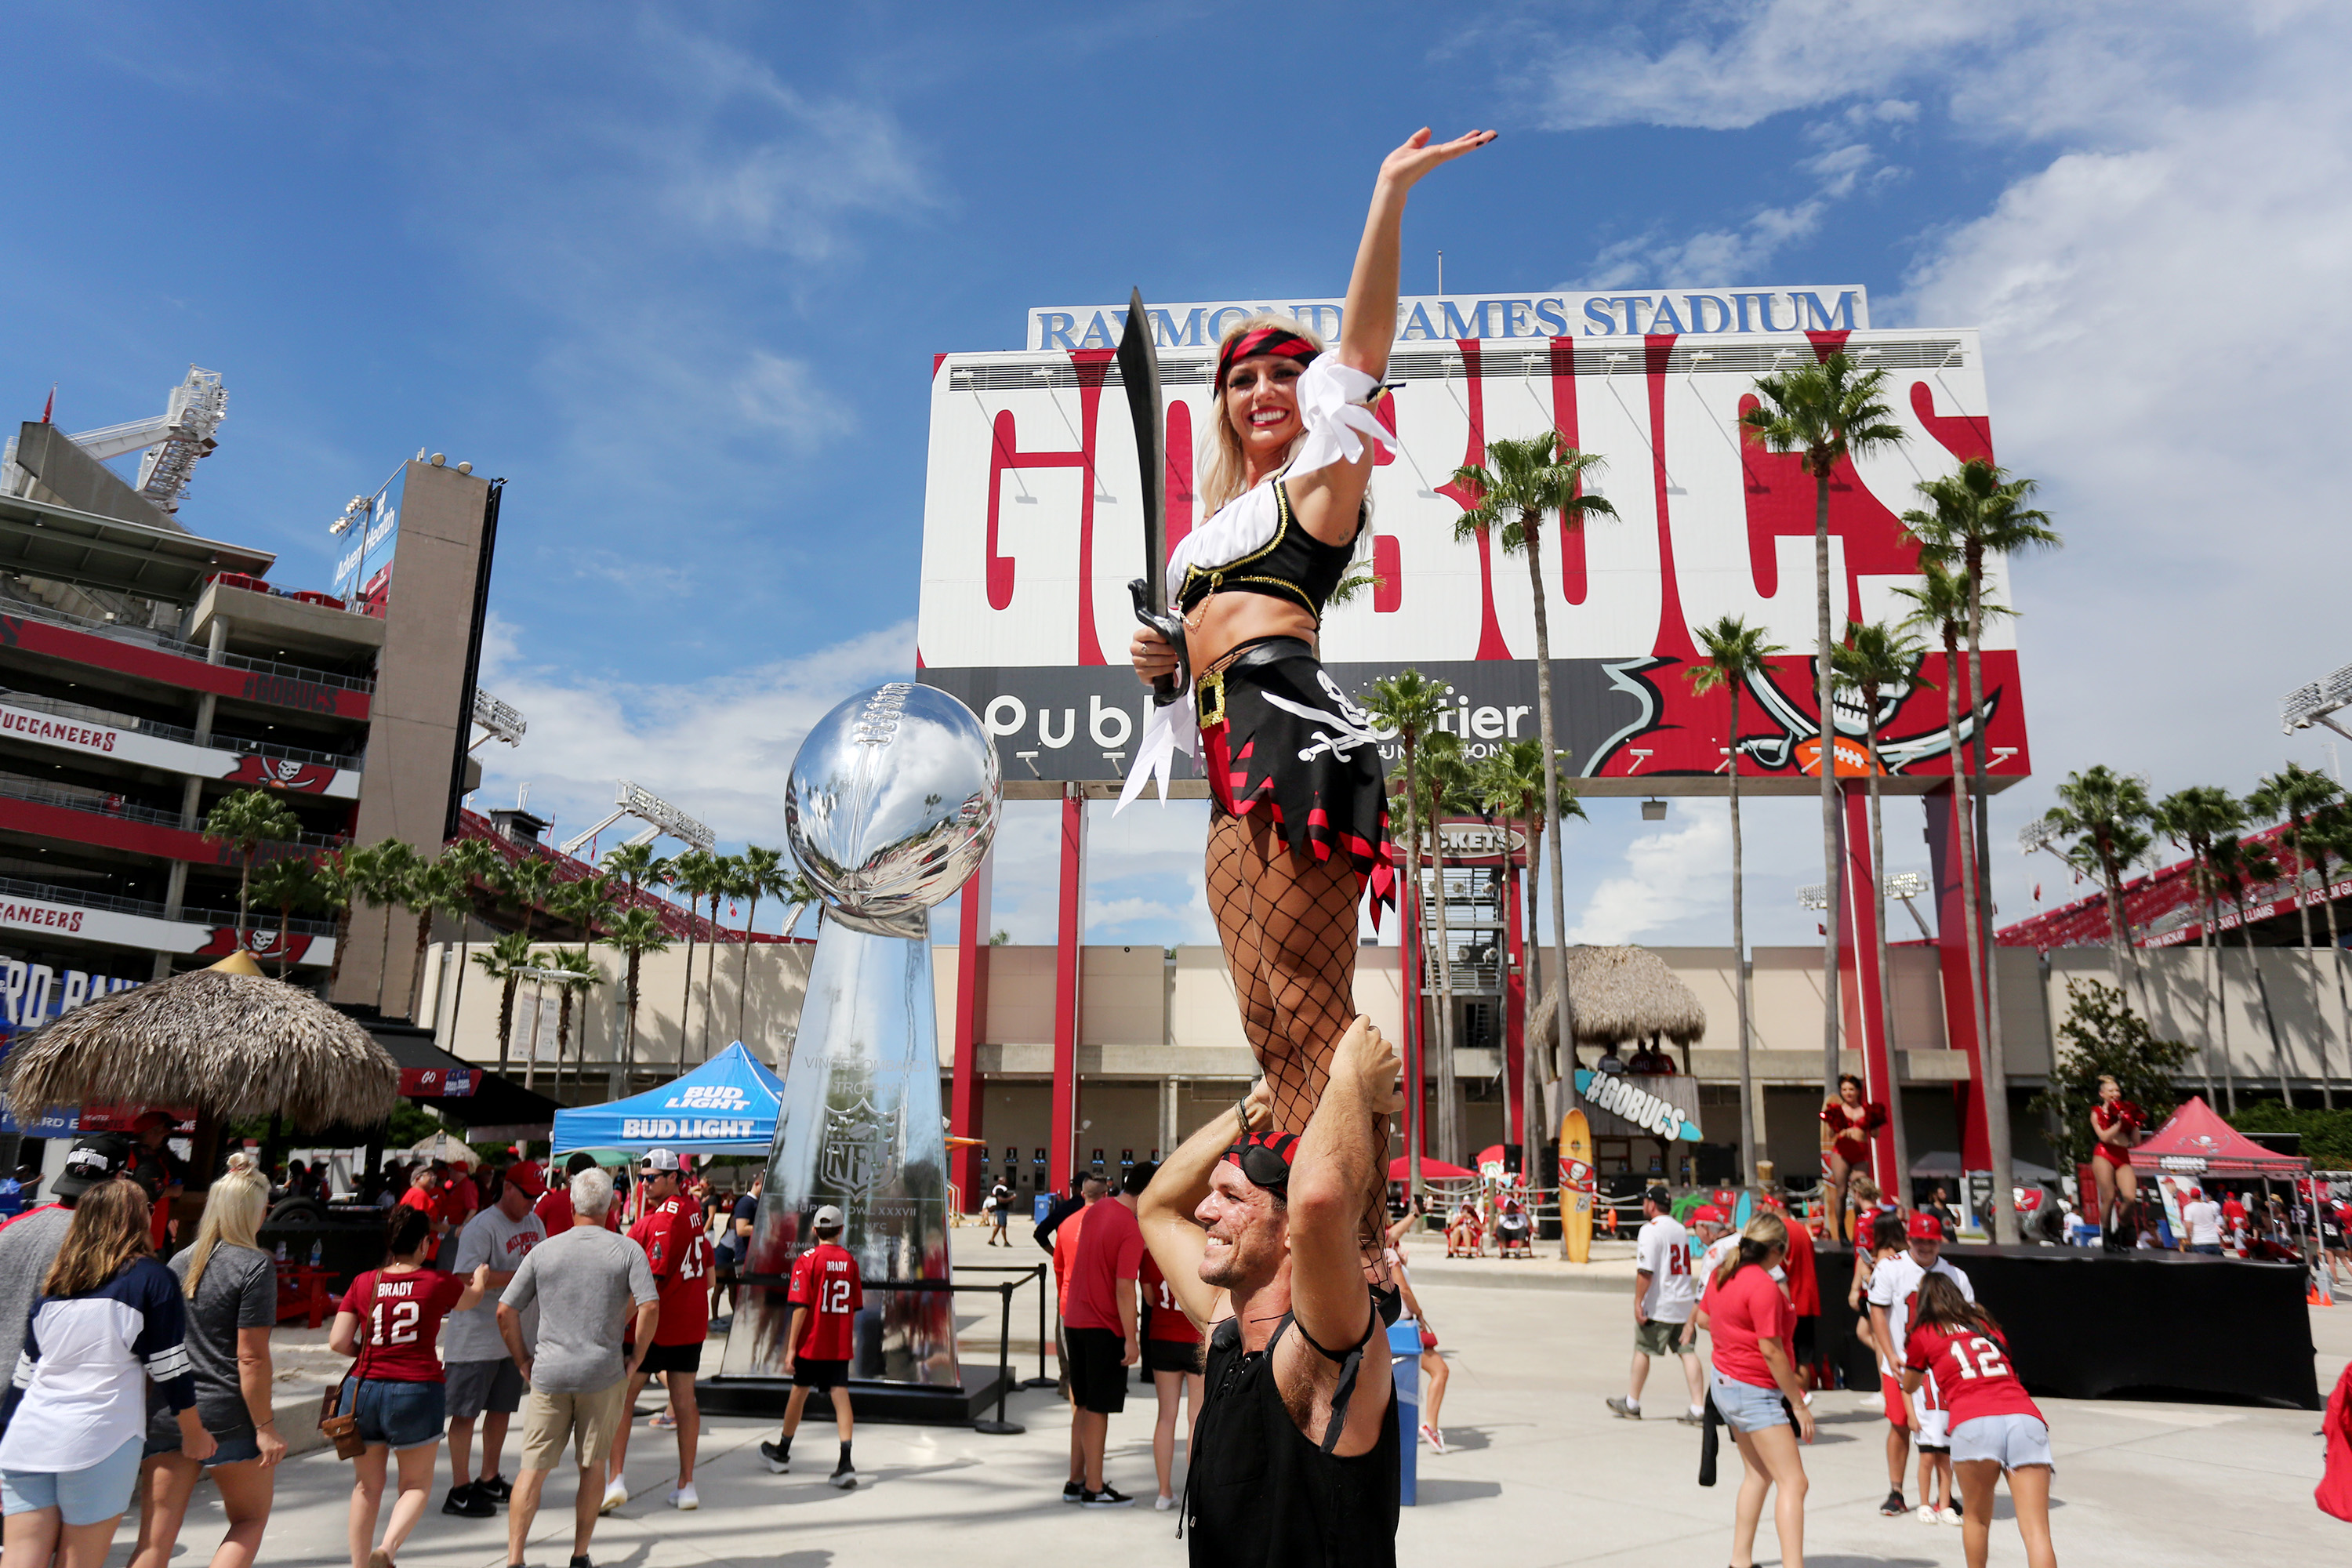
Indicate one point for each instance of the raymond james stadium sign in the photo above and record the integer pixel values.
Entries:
(1842, 307)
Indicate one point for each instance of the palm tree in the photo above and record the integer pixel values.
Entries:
(1509, 783)
(765, 874)
(1940, 605)
(1445, 791)
(479, 862)
(438, 886)
(2329, 833)
(1521, 483)
(245, 821)
(1873, 658)
(584, 975)
(1736, 654)
(2295, 793)
(501, 962)
(2241, 867)
(635, 865)
(694, 874)
(2108, 815)
(286, 885)
(340, 873)
(2193, 819)
(1409, 704)
(527, 882)
(584, 903)
(393, 861)
(1830, 412)
(726, 882)
(635, 933)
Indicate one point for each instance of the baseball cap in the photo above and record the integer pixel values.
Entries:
(1707, 1214)
(90, 1162)
(657, 1161)
(828, 1218)
(526, 1176)
(1924, 1226)
(156, 1119)
(1662, 1196)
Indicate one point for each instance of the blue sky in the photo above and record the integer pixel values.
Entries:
(676, 273)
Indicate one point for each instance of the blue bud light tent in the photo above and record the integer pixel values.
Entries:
(726, 1106)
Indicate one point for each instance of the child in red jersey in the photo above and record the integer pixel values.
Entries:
(388, 1321)
(1996, 1427)
(827, 1294)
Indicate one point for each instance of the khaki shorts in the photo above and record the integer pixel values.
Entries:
(1658, 1337)
(588, 1420)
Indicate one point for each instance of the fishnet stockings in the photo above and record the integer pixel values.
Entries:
(1288, 925)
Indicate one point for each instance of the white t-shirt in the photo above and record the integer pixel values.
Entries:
(1663, 1252)
(490, 1237)
(1894, 1285)
(2203, 1218)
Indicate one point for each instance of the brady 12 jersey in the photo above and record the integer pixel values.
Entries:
(825, 1284)
(1971, 1372)
(679, 1254)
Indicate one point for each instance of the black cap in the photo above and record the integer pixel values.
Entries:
(98, 1158)
(1662, 1196)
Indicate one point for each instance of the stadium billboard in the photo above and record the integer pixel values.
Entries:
(1033, 530)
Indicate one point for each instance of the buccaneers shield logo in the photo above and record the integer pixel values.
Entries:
(860, 1145)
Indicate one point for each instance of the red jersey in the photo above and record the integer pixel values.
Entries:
(1971, 1372)
(1065, 1255)
(826, 1283)
(400, 1316)
(456, 1201)
(1109, 1253)
(1162, 1310)
(418, 1198)
(1748, 1307)
(554, 1211)
(1804, 1279)
(671, 1234)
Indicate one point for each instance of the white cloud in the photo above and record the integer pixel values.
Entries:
(1670, 876)
(783, 395)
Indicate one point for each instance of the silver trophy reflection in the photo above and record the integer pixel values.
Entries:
(891, 804)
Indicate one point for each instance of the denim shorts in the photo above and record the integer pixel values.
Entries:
(1744, 1406)
(396, 1414)
(90, 1496)
(237, 1446)
(2012, 1440)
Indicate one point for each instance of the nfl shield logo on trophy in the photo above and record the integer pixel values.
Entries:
(858, 1142)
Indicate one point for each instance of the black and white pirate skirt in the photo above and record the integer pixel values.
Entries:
(1278, 735)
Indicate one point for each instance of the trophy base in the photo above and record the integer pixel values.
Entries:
(903, 1403)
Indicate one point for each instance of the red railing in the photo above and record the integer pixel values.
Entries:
(569, 868)
(2165, 909)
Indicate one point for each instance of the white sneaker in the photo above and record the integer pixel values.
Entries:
(1948, 1516)
(684, 1497)
(1927, 1513)
(1164, 1502)
(617, 1492)
(1433, 1437)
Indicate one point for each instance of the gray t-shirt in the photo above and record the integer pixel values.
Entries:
(239, 1290)
(27, 1246)
(585, 1282)
(490, 1237)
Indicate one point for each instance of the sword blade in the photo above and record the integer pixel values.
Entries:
(1139, 367)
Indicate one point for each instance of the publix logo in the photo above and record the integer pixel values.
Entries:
(1608, 1092)
(708, 1097)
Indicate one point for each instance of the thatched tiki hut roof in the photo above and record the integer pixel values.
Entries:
(1622, 993)
(230, 1043)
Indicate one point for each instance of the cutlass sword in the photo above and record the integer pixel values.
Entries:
(1139, 367)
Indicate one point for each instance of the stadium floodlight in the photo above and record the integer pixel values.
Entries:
(1903, 885)
(499, 721)
(2316, 703)
(2036, 834)
(1813, 895)
(658, 814)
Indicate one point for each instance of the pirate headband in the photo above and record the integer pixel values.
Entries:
(1264, 1158)
(1277, 340)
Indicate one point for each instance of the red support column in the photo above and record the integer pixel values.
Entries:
(1409, 982)
(1944, 828)
(1515, 1018)
(1865, 1008)
(967, 1090)
(1068, 936)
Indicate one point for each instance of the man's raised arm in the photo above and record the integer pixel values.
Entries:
(1164, 1209)
(1333, 1171)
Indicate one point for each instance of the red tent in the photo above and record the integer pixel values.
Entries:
(1430, 1169)
(2195, 1143)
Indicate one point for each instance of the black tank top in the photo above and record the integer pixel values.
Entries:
(1259, 1495)
(1293, 565)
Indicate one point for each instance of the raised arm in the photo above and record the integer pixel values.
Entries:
(1370, 322)
(1337, 1163)
(1164, 1210)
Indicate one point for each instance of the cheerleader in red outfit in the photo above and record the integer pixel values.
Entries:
(1851, 1121)
(2115, 1125)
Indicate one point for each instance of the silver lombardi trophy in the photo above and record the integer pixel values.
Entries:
(891, 804)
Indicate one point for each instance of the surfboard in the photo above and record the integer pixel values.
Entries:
(1577, 1186)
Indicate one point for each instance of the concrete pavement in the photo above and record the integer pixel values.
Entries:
(1540, 1473)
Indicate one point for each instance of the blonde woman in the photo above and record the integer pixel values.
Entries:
(108, 1319)
(231, 1285)
(1299, 826)
(1754, 1385)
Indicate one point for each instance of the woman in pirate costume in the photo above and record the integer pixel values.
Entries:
(1299, 825)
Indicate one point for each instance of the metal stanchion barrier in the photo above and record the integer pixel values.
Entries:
(1038, 1272)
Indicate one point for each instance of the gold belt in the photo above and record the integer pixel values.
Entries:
(1210, 684)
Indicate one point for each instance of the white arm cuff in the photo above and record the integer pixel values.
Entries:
(1331, 406)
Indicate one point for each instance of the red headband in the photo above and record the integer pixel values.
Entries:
(1279, 341)
(1264, 1158)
